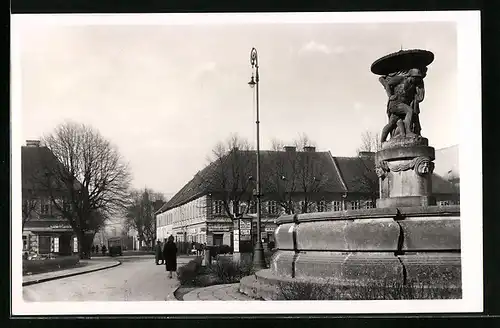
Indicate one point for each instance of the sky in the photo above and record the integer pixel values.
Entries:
(164, 95)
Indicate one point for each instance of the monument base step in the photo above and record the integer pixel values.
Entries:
(267, 286)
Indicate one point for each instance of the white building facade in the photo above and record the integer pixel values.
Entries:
(186, 222)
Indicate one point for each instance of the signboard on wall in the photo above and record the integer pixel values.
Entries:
(219, 227)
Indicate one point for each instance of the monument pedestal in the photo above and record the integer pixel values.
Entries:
(404, 167)
(403, 249)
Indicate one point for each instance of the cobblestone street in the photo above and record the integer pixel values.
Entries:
(136, 279)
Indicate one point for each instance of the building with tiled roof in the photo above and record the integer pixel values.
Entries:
(330, 184)
(44, 229)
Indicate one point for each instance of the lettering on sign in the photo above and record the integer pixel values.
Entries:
(269, 229)
(60, 226)
(245, 224)
(218, 228)
(245, 232)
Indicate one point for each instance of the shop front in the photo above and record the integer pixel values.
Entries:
(219, 234)
(45, 238)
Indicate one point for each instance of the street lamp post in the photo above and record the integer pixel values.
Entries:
(258, 258)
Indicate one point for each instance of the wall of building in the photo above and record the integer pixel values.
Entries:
(186, 222)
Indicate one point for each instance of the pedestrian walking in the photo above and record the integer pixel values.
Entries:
(170, 256)
(103, 248)
(97, 249)
(159, 253)
(93, 249)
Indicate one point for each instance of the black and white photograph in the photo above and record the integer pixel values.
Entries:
(281, 163)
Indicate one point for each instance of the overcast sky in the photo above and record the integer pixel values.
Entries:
(165, 95)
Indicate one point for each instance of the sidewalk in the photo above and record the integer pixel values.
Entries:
(227, 292)
(88, 266)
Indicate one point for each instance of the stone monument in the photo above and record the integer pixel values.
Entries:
(405, 163)
(406, 240)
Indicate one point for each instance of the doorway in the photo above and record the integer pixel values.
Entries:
(218, 239)
(44, 244)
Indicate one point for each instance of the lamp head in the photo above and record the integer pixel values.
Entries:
(252, 82)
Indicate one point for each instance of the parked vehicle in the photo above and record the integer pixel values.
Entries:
(115, 246)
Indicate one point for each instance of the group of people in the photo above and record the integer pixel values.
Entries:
(95, 249)
(167, 254)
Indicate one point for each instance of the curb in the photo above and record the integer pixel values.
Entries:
(33, 282)
(171, 296)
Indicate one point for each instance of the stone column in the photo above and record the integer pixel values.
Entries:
(404, 167)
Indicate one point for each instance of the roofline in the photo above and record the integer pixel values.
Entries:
(341, 178)
(196, 196)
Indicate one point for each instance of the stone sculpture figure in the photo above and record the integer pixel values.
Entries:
(405, 90)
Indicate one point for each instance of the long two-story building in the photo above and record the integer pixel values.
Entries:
(291, 182)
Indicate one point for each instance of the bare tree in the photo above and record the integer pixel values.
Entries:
(277, 144)
(367, 178)
(303, 141)
(295, 174)
(31, 204)
(90, 184)
(230, 175)
(370, 142)
(140, 214)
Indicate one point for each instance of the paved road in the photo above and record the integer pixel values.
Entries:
(136, 279)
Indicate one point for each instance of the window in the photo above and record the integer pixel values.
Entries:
(321, 206)
(45, 207)
(55, 245)
(75, 245)
(253, 207)
(217, 207)
(272, 207)
(355, 205)
(337, 205)
(369, 204)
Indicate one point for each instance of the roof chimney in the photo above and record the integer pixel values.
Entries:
(33, 143)
(289, 148)
(310, 149)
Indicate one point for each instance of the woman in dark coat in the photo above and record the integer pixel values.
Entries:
(170, 256)
(158, 253)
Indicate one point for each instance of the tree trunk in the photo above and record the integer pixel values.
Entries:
(84, 244)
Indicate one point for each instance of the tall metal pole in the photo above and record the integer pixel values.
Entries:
(259, 260)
